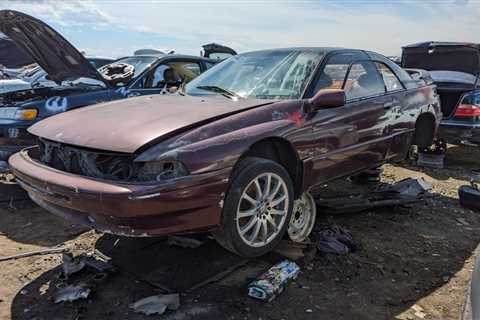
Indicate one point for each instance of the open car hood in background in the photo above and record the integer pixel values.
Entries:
(451, 56)
(47, 47)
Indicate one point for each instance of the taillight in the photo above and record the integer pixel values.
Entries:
(470, 105)
(468, 110)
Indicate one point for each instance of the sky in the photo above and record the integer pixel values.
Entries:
(115, 28)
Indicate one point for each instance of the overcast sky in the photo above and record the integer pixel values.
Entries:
(117, 28)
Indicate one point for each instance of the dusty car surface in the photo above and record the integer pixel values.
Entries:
(79, 82)
(242, 145)
(455, 69)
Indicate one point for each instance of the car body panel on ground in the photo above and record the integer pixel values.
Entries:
(455, 68)
(103, 175)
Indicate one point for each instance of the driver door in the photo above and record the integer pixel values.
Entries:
(352, 137)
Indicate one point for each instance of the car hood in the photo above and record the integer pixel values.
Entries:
(47, 47)
(127, 125)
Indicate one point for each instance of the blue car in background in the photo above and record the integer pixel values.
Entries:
(79, 82)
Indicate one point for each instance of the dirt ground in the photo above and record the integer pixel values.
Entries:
(414, 263)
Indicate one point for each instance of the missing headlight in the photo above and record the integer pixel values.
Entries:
(162, 170)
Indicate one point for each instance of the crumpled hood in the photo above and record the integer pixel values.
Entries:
(127, 125)
(60, 59)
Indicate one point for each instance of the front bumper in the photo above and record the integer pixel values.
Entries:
(189, 204)
(460, 133)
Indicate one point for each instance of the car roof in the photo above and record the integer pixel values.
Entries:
(173, 55)
(428, 44)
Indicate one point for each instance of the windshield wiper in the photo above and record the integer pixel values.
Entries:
(217, 89)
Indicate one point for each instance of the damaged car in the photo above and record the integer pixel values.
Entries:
(79, 83)
(238, 152)
(455, 69)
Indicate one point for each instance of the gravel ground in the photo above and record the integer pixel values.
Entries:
(414, 263)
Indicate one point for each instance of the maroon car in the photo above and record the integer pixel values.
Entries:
(236, 152)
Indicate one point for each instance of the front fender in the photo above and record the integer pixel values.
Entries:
(220, 151)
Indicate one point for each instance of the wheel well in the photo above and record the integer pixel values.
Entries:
(282, 152)
(424, 130)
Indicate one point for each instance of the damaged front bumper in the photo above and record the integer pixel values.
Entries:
(188, 204)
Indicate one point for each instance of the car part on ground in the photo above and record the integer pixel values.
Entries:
(455, 69)
(303, 218)
(372, 176)
(469, 196)
(165, 165)
(432, 156)
(157, 304)
(274, 281)
(402, 193)
(72, 293)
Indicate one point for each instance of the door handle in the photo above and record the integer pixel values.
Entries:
(387, 105)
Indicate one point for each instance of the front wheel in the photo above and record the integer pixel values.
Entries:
(257, 207)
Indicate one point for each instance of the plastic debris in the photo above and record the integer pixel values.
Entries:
(72, 292)
(404, 192)
(271, 283)
(184, 242)
(336, 240)
(156, 304)
(73, 265)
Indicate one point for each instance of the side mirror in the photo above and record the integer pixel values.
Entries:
(327, 98)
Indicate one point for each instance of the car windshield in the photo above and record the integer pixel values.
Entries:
(140, 63)
(273, 74)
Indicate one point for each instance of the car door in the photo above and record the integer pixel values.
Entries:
(399, 121)
(352, 137)
(166, 76)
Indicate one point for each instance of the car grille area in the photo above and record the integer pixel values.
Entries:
(91, 163)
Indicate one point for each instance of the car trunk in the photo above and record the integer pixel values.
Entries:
(453, 67)
(450, 97)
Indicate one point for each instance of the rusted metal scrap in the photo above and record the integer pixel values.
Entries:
(405, 192)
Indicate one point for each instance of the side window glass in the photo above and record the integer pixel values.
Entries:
(209, 65)
(158, 78)
(363, 81)
(391, 81)
(334, 72)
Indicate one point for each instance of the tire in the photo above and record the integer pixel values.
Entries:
(253, 234)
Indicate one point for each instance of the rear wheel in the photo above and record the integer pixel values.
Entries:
(257, 208)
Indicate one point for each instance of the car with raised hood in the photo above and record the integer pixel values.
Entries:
(239, 151)
(455, 69)
(36, 77)
(79, 82)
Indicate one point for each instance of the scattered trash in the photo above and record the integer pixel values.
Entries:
(271, 283)
(336, 240)
(72, 292)
(34, 253)
(156, 304)
(184, 242)
(433, 156)
(73, 265)
(404, 192)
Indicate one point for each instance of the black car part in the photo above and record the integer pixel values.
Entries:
(118, 73)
